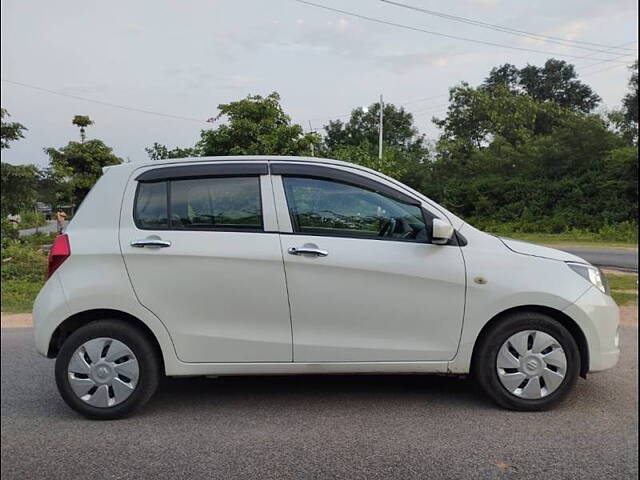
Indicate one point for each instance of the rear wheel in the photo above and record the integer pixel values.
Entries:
(528, 361)
(107, 369)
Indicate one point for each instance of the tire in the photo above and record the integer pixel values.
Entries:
(116, 348)
(498, 374)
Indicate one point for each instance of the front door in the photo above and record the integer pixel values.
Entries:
(365, 283)
(204, 263)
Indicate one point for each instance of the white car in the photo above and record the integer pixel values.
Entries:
(290, 265)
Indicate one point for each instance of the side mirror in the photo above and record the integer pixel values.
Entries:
(442, 232)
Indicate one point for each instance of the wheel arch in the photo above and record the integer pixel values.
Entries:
(562, 318)
(80, 319)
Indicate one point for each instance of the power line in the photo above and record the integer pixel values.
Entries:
(509, 30)
(417, 100)
(600, 63)
(445, 35)
(602, 70)
(100, 102)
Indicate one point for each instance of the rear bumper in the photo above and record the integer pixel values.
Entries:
(598, 316)
(49, 310)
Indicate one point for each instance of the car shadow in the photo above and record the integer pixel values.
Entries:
(325, 391)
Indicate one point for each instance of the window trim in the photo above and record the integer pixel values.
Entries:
(341, 176)
(168, 185)
(207, 170)
(355, 235)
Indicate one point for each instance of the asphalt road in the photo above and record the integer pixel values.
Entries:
(624, 259)
(348, 427)
(50, 227)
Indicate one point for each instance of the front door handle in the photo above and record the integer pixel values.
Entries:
(308, 251)
(150, 242)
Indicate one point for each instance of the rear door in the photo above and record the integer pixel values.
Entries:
(365, 283)
(201, 247)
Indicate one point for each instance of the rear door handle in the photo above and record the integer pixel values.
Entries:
(150, 242)
(308, 251)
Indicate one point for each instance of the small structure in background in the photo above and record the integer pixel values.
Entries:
(14, 219)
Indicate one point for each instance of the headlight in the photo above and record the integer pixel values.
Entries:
(591, 274)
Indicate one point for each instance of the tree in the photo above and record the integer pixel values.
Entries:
(556, 82)
(630, 101)
(19, 187)
(477, 116)
(9, 131)
(256, 126)
(160, 152)
(405, 150)
(79, 165)
(82, 121)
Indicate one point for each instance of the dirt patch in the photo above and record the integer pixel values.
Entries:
(611, 271)
(629, 315)
(16, 320)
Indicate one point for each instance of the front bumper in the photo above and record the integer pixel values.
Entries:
(598, 316)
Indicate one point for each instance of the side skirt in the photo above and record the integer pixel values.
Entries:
(292, 368)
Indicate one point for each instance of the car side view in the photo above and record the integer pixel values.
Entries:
(292, 265)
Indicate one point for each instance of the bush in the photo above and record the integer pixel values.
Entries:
(24, 263)
(32, 220)
(8, 234)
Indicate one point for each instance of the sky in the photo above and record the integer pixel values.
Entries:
(183, 59)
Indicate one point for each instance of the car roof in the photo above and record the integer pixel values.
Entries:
(231, 158)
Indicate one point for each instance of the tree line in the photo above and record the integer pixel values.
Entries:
(526, 150)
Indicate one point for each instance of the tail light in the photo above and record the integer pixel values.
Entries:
(60, 251)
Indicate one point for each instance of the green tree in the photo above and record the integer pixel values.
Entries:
(405, 150)
(9, 131)
(19, 187)
(79, 165)
(82, 121)
(556, 81)
(256, 125)
(160, 152)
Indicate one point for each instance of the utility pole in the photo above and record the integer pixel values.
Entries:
(380, 129)
(313, 150)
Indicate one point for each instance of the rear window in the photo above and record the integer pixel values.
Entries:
(151, 206)
(216, 203)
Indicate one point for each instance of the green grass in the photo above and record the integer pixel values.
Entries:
(18, 295)
(620, 288)
(624, 298)
(623, 282)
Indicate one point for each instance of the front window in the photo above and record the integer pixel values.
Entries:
(325, 207)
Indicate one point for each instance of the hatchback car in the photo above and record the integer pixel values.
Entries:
(290, 265)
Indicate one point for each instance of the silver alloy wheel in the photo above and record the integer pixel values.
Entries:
(103, 372)
(531, 364)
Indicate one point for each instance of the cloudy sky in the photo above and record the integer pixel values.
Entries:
(182, 59)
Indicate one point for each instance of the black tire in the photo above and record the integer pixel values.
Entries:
(136, 341)
(485, 357)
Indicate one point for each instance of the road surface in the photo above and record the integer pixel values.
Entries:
(50, 227)
(623, 259)
(368, 427)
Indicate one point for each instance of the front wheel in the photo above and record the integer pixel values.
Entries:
(107, 369)
(528, 361)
